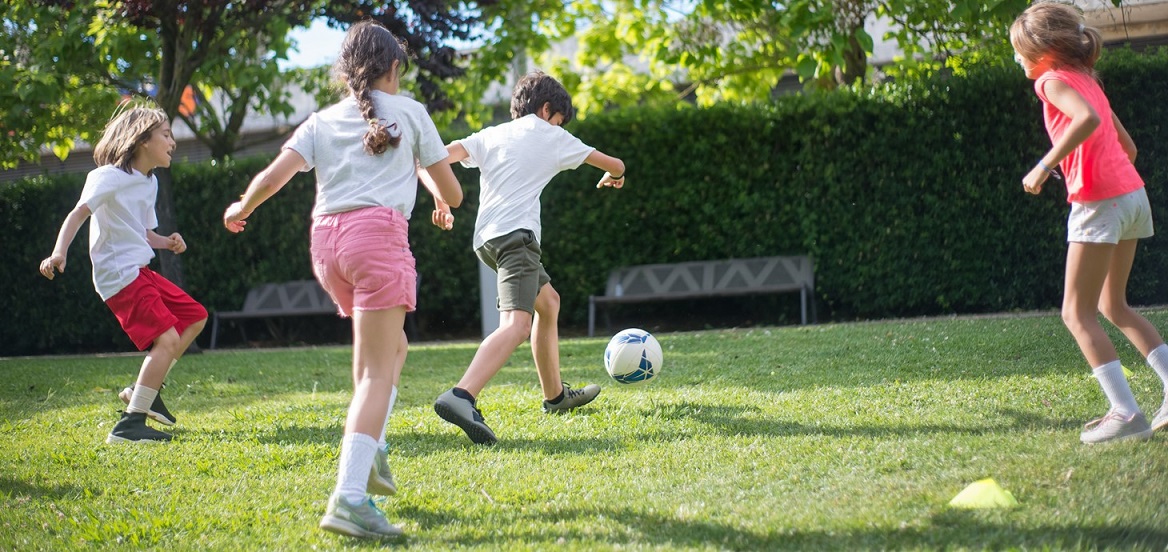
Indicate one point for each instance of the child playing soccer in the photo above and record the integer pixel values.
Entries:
(364, 149)
(517, 160)
(1109, 207)
(156, 314)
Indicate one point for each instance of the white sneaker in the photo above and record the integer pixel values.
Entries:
(1116, 427)
(1160, 420)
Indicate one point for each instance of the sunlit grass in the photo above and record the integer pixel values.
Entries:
(823, 437)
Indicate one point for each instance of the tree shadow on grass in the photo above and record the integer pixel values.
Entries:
(629, 527)
(749, 421)
(12, 488)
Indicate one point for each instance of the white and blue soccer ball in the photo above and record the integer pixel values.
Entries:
(633, 357)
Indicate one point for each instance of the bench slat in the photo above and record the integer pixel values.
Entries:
(698, 279)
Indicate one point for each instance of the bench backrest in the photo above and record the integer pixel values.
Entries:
(299, 297)
(710, 278)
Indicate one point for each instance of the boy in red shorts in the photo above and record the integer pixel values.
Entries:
(155, 313)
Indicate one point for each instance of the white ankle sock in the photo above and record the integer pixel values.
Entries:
(1115, 386)
(357, 450)
(388, 413)
(142, 398)
(1158, 360)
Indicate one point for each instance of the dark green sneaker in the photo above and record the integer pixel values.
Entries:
(132, 428)
(463, 414)
(158, 411)
(362, 520)
(572, 398)
(380, 478)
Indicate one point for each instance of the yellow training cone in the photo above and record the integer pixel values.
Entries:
(984, 494)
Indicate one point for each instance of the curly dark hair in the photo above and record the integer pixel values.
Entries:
(536, 89)
(368, 52)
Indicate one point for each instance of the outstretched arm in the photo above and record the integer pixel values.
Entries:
(614, 169)
(263, 186)
(437, 180)
(65, 236)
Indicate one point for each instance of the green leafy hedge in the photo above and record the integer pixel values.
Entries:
(909, 198)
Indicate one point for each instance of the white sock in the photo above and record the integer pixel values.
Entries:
(1158, 360)
(141, 399)
(1115, 386)
(388, 413)
(357, 450)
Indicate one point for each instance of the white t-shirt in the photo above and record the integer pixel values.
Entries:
(348, 177)
(517, 159)
(123, 210)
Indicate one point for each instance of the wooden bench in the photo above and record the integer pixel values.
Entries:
(704, 279)
(299, 298)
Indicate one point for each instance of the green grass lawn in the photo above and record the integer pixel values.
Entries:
(850, 436)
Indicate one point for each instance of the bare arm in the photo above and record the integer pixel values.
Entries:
(442, 217)
(173, 242)
(65, 237)
(1084, 121)
(614, 169)
(265, 185)
(1125, 139)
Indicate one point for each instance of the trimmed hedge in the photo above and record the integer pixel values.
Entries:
(909, 198)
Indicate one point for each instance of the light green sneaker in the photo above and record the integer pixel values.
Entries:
(1160, 420)
(357, 520)
(380, 478)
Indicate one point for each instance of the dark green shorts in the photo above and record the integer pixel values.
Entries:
(515, 258)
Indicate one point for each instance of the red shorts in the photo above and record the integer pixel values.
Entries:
(362, 259)
(151, 305)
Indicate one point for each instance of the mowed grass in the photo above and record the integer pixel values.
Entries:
(843, 436)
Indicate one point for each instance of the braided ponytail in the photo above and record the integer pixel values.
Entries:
(369, 52)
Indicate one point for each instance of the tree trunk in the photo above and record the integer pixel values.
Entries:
(169, 264)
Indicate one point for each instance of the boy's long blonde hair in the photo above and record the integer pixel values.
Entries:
(124, 133)
(1050, 28)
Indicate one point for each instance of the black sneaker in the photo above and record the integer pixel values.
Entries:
(158, 411)
(132, 428)
(463, 414)
(572, 398)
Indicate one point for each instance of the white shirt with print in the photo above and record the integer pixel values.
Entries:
(517, 159)
(348, 177)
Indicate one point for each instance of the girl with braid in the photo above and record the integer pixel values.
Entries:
(366, 151)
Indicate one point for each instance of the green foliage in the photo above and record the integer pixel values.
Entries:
(834, 437)
(908, 198)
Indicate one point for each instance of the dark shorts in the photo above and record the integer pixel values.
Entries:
(515, 258)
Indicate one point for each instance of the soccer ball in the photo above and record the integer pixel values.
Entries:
(632, 357)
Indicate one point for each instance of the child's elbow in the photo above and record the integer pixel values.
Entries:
(454, 199)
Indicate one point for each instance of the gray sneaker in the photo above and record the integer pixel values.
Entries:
(573, 398)
(463, 414)
(1160, 420)
(380, 478)
(357, 520)
(158, 411)
(1116, 427)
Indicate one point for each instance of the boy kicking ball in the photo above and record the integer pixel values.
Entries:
(516, 161)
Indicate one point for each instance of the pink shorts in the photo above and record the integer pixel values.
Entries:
(151, 305)
(362, 259)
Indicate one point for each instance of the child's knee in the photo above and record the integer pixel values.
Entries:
(548, 300)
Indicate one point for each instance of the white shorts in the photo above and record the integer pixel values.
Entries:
(1126, 217)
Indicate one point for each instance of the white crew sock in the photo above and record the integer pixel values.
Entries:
(357, 450)
(141, 399)
(1115, 386)
(1158, 360)
(388, 413)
